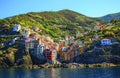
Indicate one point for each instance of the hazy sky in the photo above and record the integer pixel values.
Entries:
(93, 8)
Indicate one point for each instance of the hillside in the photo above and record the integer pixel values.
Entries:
(77, 18)
(115, 16)
(66, 22)
(76, 33)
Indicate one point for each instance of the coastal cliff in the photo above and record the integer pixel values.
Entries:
(67, 36)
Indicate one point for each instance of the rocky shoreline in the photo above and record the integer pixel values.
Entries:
(72, 65)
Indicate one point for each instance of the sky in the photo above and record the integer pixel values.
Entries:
(92, 8)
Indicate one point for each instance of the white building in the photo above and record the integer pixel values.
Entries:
(17, 27)
(26, 33)
(40, 49)
(106, 41)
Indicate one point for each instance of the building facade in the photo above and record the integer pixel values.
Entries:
(51, 56)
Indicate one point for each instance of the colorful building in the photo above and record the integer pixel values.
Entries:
(72, 51)
(69, 40)
(30, 43)
(51, 56)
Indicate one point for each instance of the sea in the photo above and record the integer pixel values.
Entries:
(112, 72)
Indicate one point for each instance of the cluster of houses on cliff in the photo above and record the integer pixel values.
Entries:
(43, 47)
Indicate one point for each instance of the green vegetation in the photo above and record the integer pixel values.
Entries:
(109, 17)
(55, 24)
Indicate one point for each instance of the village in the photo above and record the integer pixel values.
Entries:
(64, 51)
(43, 47)
(60, 39)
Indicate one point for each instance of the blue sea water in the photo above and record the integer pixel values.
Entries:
(61, 73)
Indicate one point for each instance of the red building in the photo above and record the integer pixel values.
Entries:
(51, 55)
